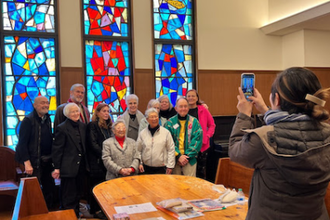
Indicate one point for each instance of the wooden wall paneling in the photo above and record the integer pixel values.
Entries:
(144, 87)
(68, 77)
(219, 88)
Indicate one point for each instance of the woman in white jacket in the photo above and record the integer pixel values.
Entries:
(156, 146)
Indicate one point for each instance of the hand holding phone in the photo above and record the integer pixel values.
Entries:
(247, 84)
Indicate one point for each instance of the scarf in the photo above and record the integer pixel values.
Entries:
(274, 116)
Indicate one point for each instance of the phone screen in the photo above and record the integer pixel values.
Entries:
(247, 84)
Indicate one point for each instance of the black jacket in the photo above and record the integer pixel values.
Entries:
(66, 153)
(28, 147)
(95, 138)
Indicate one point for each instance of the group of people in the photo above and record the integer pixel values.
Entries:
(290, 153)
(164, 140)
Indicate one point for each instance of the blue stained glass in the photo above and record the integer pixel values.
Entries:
(10, 108)
(174, 84)
(26, 61)
(11, 6)
(163, 6)
(179, 55)
(43, 69)
(12, 122)
(38, 49)
(174, 62)
(32, 82)
(39, 17)
(31, 16)
(41, 83)
(107, 9)
(17, 70)
(164, 17)
(182, 18)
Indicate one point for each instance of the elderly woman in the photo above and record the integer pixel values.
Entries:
(153, 103)
(98, 130)
(120, 156)
(166, 108)
(69, 157)
(156, 146)
(132, 117)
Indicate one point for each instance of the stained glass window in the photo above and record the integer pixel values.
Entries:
(174, 47)
(29, 61)
(28, 15)
(107, 53)
(173, 19)
(106, 18)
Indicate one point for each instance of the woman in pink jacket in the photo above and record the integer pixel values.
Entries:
(197, 110)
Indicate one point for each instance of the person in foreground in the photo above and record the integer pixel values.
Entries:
(69, 157)
(156, 146)
(291, 153)
(119, 154)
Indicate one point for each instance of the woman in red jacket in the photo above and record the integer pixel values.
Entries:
(197, 110)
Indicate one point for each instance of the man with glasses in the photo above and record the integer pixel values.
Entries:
(34, 147)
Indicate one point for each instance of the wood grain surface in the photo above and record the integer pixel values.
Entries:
(155, 188)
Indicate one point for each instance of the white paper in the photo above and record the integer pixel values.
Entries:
(136, 208)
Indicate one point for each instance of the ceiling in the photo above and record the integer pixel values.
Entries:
(317, 18)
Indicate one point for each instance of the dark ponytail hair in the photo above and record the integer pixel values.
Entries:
(292, 85)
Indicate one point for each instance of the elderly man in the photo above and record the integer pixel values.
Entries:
(69, 157)
(187, 135)
(34, 146)
(77, 93)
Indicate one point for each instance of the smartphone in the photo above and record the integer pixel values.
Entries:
(247, 84)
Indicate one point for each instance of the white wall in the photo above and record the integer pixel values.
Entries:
(293, 48)
(70, 33)
(227, 32)
(279, 9)
(142, 24)
(317, 48)
(229, 36)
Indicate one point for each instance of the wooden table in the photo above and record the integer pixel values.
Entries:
(155, 188)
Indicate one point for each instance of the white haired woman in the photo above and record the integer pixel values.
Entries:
(119, 154)
(153, 103)
(155, 143)
(69, 157)
(166, 108)
(132, 116)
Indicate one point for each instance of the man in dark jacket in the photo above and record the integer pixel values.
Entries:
(35, 145)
